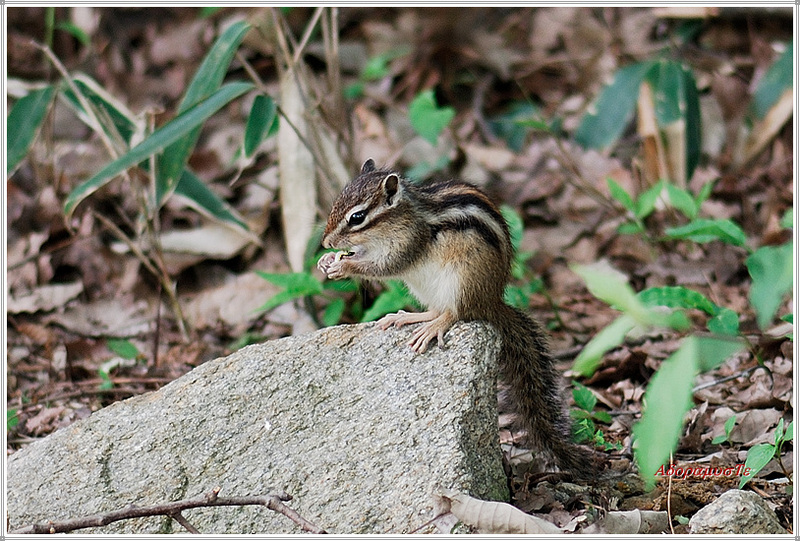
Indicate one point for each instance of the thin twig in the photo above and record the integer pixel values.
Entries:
(669, 497)
(90, 113)
(743, 373)
(160, 274)
(273, 502)
(298, 52)
(180, 519)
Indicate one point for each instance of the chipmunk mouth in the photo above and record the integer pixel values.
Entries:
(346, 254)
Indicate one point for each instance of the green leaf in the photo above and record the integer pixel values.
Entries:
(778, 434)
(106, 382)
(667, 399)
(770, 268)
(12, 418)
(725, 322)
(606, 119)
(619, 193)
(23, 123)
(647, 200)
(208, 11)
(676, 99)
(342, 286)
(632, 228)
(116, 120)
(203, 200)
(694, 142)
(394, 298)
(512, 126)
(611, 286)
(719, 439)
(515, 226)
(712, 351)
(705, 230)
(789, 434)
(333, 312)
(602, 416)
(778, 78)
(296, 285)
(427, 118)
(206, 81)
(666, 80)
(353, 90)
(123, 348)
(677, 297)
(262, 116)
(610, 337)
(683, 201)
(157, 141)
(583, 397)
(75, 31)
(757, 457)
(729, 424)
(704, 193)
(787, 222)
(376, 67)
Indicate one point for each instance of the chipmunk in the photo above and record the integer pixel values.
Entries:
(450, 245)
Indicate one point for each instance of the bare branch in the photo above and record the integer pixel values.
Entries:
(173, 510)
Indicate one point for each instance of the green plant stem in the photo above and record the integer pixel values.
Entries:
(49, 25)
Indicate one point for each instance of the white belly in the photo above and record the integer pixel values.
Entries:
(434, 285)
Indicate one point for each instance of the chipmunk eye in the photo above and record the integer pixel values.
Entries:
(356, 218)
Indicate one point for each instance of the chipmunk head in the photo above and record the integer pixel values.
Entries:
(365, 204)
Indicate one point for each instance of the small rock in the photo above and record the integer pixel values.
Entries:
(736, 512)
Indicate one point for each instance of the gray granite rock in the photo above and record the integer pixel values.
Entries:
(736, 512)
(348, 420)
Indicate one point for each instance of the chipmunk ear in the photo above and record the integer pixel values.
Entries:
(368, 167)
(391, 186)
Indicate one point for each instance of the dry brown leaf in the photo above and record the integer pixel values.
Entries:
(496, 517)
(655, 165)
(44, 298)
(754, 426)
(233, 303)
(630, 522)
(296, 171)
(214, 241)
(769, 127)
(107, 317)
(43, 421)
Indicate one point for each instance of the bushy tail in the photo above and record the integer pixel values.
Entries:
(527, 367)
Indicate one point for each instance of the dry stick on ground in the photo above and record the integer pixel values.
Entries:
(173, 510)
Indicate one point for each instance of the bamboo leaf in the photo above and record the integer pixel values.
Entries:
(613, 109)
(206, 201)
(157, 141)
(259, 123)
(206, 81)
(776, 80)
(770, 267)
(704, 230)
(23, 123)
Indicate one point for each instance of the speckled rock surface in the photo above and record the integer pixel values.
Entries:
(348, 420)
(736, 512)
